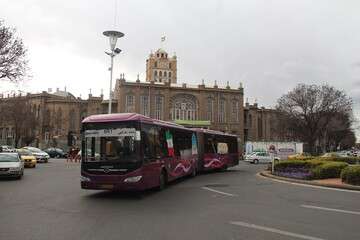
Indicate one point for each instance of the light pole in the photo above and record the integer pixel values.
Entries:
(113, 36)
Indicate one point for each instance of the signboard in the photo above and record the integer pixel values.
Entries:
(116, 132)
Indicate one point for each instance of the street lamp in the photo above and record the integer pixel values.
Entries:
(113, 36)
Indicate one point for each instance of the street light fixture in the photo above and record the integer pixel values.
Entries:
(113, 37)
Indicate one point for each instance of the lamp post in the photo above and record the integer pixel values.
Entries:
(113, 36)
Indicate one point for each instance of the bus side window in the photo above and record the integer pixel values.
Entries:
(162, 143)
(148, 142)
(222, 148)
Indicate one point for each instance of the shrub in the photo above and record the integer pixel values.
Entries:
(349, 160)
(328, 170)
(351, 175)
(282, 165)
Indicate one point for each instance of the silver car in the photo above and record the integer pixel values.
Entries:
(40, 155)
(11, 165)
(259, 157)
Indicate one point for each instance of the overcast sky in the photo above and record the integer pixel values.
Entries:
(270, 46)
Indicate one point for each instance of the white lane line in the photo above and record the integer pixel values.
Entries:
(274, 230)
(216, 191)
(330, 209)
(310, 186)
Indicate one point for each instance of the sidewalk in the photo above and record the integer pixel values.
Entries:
(331, 182)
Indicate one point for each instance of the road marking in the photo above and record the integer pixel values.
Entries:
(274, 230)
(213, 190)
(330, 209)
(307, 185)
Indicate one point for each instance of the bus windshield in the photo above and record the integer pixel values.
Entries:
(116, 143)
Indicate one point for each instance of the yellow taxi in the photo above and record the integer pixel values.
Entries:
(28, 158)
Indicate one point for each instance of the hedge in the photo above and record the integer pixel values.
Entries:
(298, 164)
(351, 175)
(328, 170)
(349, 160)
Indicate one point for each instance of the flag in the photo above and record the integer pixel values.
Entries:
(163, 38)
(169, 141)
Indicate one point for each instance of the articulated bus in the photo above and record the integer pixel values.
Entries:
(217, 150)
(128, 151)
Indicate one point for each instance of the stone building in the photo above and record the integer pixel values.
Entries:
(161, 97)
(59, 114)
(260, 124)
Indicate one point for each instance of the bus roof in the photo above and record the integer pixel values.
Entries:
(122, 117)
(209, 131)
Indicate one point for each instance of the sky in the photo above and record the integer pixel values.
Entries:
(268, 45)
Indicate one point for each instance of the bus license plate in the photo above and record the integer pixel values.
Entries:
(106, 186)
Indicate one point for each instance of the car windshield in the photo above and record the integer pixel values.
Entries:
(8, 158)
(24, 152)
(36, 150)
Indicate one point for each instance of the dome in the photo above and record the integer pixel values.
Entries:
(160, 50)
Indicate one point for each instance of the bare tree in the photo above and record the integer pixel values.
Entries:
(13, 62)
(20, 116)
(308, 110)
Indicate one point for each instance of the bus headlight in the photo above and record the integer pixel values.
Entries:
(132, 179)
(84, 179)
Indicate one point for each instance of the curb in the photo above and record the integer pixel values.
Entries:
(267, 174)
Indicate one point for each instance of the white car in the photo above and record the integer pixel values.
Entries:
(259, 157)
(6, 148)
(11, 165)
(40, 155)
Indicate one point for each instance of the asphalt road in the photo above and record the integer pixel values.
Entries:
(49, 204)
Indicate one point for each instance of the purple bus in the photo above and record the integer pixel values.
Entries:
(217, 150)
(128, 151)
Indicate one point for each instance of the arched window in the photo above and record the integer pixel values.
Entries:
(210, 109)
(184, 107)
(160, 74)
(235, 111)
(157, 55)
(155, 73)
(260, 128)
(169, 74)
(222, 111)
(162, 55)
(130, 103)
(159, 107)
(164, 74)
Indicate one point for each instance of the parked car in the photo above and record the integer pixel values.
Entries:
(7, 148)
(55, 153)
(259, 157)
(11, 165)
(28, 158)
(40, 155)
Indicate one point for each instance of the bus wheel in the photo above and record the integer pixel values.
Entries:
(162, 180)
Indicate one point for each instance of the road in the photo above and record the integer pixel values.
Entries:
(49, 204)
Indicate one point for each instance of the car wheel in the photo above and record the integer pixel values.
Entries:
(256, 161)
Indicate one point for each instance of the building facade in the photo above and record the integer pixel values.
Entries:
(160, 96)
